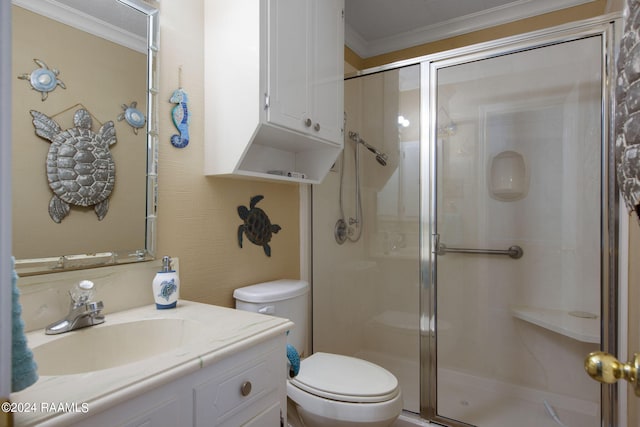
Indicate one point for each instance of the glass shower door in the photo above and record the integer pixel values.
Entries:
(366, 289)
(517, 236)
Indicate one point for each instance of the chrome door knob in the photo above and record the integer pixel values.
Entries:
(605, 368)
(308, 122)
(316, 127)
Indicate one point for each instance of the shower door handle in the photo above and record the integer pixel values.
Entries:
(605, 368)
(514, 251)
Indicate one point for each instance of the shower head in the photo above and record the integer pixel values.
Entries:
(382, 159)
(380, 156)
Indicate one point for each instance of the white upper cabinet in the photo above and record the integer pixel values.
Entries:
(274, 99)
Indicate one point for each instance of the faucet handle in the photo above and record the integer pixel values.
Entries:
(83, 292)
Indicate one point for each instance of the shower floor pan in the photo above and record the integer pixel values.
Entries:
(489, 403)
(392, 341)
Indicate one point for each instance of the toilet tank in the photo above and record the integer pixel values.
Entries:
(283, 298)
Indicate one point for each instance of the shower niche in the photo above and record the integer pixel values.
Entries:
(508, 176)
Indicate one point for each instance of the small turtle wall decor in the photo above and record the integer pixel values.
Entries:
(43, 79)
(133, 116)
(80, 168)
(257, 226)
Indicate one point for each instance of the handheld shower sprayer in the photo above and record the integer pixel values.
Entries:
(352, 230)
(380, 156)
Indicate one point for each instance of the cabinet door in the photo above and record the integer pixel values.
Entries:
(245, 386)
(327, 71)
(164, 415)
(268, 417)
(288, 64)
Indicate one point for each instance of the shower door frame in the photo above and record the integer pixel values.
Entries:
(608, 28)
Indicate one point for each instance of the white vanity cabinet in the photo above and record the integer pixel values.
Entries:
(243, 389)
(274, 97)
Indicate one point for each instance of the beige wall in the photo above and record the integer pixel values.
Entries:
(197, 216)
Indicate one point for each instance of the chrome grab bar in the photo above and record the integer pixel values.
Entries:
(514, 251)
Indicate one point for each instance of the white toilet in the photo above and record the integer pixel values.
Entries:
(330, 390)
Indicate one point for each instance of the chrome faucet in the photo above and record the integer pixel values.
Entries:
(82, 312)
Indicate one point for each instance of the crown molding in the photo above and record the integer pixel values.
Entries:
(355, 41)
(84, 22)
(510, 12)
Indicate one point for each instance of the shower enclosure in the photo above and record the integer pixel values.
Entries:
(478, 265)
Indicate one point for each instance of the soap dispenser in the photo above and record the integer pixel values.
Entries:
(166, 286)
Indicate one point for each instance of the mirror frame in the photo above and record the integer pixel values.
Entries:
(30, 267)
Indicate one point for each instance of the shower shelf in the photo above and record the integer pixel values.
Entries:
(561, 322)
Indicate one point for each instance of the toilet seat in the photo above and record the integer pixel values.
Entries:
(345, 379)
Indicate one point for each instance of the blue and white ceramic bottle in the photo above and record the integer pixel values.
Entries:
(166, 286)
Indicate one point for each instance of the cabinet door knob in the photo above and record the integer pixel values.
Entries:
(245, 388)
(316, 127)
(307, 122)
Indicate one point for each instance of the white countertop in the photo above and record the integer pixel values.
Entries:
(226, 331)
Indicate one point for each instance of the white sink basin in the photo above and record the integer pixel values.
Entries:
(135, 351)
(107, 346)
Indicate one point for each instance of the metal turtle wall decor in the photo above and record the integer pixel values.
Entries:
(80, 168)
(627, 100)
(43, 79)
(256, 226)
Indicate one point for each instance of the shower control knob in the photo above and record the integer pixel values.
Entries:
(316, 127)
(340, 231)
(605, 368)
(308, 122)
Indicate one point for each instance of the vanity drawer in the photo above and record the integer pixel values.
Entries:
(247, 387)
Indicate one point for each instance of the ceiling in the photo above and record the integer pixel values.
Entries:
(374, 27)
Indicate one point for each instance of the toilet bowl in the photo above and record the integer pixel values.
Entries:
(330, 390)
(339, 391)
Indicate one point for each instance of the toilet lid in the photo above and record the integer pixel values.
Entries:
(345, 379)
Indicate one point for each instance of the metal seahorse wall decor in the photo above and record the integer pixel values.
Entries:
(181, 118)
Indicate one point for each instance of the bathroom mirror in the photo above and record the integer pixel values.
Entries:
(102, 55)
